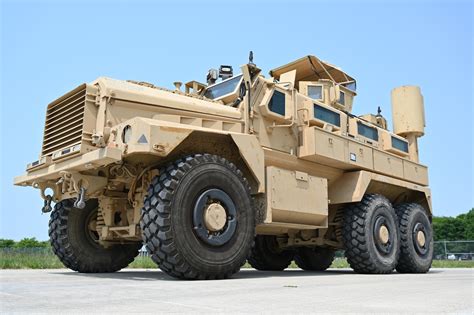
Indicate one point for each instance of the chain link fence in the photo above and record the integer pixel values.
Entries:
(454, 250)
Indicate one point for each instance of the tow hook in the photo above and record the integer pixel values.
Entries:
(80, 201)
(47, 204)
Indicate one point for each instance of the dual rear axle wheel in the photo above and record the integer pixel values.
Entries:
(379, 238)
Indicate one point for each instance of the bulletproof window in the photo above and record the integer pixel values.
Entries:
(277, 103)
(399, 144)
(315, 92)
(327, 115)
(367, 131)
(223, 88)
(342, 98)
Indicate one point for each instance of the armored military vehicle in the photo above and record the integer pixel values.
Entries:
(242, 167)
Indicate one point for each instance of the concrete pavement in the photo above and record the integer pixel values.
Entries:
(250, 291)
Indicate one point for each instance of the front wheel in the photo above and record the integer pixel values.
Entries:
(75, 241)
(198, 219)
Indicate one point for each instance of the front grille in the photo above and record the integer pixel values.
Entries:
(64, 121)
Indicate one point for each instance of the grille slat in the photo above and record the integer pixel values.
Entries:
(74, 96)
(65, 109)
(77, 127)
(75, 116)
(62, 142)
(64, 122)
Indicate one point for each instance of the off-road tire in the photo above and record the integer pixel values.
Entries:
(314, 258)
(413, 260)
(266, 255)
(75, 248)
(167, 218)
(360, 243)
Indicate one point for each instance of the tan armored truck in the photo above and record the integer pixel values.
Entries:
(244, 167)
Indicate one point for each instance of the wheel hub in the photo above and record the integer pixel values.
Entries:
(421, 238)
(384, 234)
(214, 217)
(383, 237)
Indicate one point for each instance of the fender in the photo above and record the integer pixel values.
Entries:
(352, 187)
(162, 137)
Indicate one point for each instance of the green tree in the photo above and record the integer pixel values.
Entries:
(6, 243)
(469, 225)
(454, 229)
(29, 242)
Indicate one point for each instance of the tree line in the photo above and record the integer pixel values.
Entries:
(445, 229)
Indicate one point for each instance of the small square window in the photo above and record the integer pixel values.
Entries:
(277, 103)
(342, 98)
(315, 92)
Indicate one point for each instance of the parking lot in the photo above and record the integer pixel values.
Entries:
(442, 290)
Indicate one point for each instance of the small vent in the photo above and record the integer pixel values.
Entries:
(64, 121)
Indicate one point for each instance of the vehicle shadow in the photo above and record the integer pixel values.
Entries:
(156, 274)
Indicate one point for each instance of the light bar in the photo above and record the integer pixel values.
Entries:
(63, 152)
(37, 163)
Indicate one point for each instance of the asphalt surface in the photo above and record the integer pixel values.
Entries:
(250, 291)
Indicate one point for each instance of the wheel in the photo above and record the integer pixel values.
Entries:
(76, 244)
(370, 235)
(266, 255)
(314, 258)
(198, 219)
(416, 239)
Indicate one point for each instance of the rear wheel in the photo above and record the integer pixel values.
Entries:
(371, 236)
(416, 239)
(198, 219)
(314, 259)
(74, 240)
(266, 255)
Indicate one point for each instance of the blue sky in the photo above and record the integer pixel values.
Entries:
(49, 47)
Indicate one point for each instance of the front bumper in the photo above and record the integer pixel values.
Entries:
(90, 160)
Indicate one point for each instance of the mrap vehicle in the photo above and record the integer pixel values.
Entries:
(244, 167)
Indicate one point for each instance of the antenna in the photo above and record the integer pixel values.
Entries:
(379, 111)
(251, 58)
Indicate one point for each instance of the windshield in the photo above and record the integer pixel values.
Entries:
(223, 88)
(350, 85)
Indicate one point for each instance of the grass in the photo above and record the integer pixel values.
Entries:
(45, 259)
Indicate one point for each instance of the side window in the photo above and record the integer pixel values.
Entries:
(315, 92)
(367, 131)
(277, 103)
(399, 144)
(327, 115)
(342, 98)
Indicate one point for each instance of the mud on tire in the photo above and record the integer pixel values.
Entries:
(172, 217)
(76, 246)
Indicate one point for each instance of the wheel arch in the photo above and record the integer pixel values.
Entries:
(352, 187)
(241, 149)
